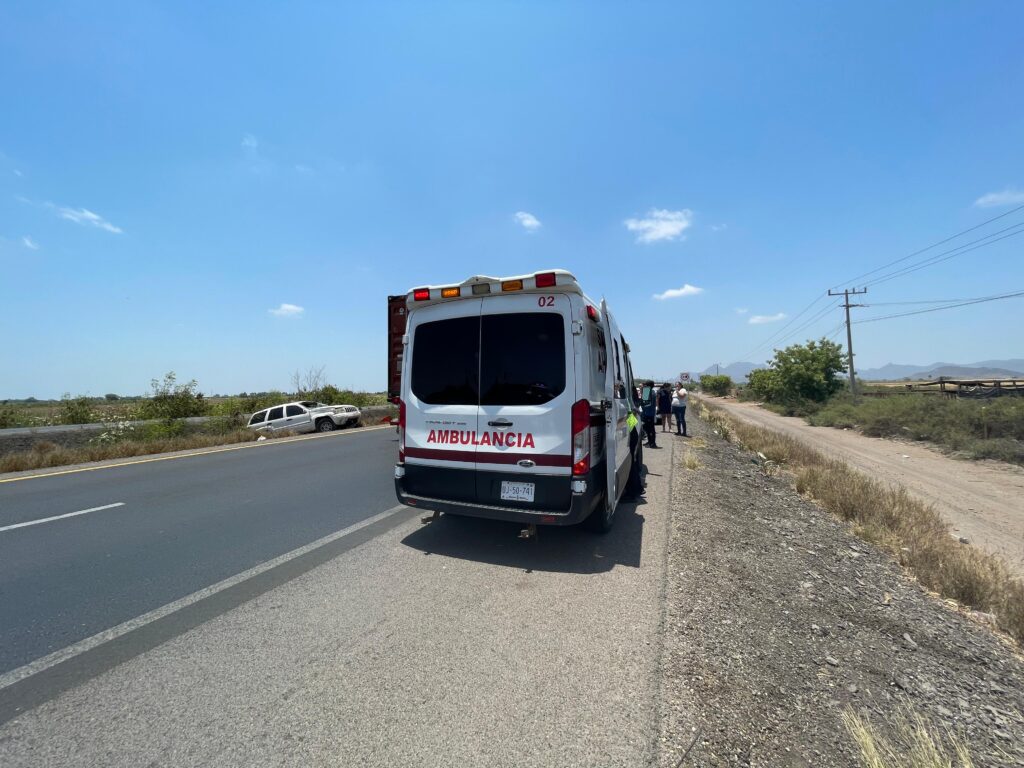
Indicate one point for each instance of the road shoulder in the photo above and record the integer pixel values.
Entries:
(779, 619)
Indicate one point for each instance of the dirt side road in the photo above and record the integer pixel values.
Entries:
(982, 500)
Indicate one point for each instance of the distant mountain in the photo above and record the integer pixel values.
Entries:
(965, 372)
(982, 370)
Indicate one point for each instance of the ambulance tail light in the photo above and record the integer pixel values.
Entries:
(581, 437)
(545, 279)
(421, 294)
(401, 431)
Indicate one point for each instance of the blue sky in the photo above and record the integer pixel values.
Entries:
(170, 173)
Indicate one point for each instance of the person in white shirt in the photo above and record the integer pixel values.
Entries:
(679, 398)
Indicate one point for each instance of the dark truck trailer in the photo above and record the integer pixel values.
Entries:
(397, 314)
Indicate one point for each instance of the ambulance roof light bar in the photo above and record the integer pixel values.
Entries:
(480, 285)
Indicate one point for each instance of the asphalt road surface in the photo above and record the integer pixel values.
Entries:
(273, 606)
(185, 523)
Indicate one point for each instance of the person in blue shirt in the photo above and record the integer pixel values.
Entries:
(649, 412)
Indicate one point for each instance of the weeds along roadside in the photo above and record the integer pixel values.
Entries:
(889, 517)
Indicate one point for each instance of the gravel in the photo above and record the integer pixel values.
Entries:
(778, 619)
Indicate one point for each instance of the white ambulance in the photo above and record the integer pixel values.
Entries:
(516, 398)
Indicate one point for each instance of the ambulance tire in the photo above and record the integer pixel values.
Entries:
(635, 482)
(602, 518)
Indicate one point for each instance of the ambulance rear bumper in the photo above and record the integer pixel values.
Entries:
(574, 507)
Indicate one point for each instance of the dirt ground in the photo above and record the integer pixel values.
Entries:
(778, 619)
(982, 500)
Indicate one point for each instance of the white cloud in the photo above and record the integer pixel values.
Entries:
(249, 141)
(29, 243)
(287, 310)
(86, 217)
(530, 222)
(741, 310)
(660, 224)
(762, 319)
(995, 199)
(676, 293)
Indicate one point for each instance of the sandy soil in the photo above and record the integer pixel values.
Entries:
(778, 620)
(982, 500)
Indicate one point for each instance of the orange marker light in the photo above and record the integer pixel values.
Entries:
(512, 285)
(449, 293)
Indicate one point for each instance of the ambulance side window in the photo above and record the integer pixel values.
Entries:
(598, 356)
(630, 383)
(620, 387)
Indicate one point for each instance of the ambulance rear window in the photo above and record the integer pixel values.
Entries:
(445, 361)
(522, 358)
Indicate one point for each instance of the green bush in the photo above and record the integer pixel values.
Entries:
(8, 418)
(979, 428)
(716, 384)
(171, 400)
(75, 410)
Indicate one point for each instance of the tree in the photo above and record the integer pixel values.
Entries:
(713, 384)
(305, 384)
(800, 373)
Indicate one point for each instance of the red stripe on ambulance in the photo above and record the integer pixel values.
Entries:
(485, 457)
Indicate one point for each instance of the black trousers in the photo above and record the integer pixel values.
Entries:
(649, 429)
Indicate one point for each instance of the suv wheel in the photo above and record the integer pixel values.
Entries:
(325, 425)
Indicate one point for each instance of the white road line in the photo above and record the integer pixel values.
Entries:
(61, 517)
(44, 663)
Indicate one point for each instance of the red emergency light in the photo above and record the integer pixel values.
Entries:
(421, 294)
(545, 280)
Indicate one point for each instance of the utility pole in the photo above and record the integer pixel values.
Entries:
(846, 294)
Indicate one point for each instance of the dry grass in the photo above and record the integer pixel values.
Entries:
(690, 461)
(915, 745)
(45, 454)
(912, 531)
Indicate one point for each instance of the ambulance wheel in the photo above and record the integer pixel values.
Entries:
(602, 518)
(635, 483)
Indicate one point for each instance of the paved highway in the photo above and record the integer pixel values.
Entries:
(184, 524)
(273, 605)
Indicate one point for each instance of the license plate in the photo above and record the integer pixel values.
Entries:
(513, 491)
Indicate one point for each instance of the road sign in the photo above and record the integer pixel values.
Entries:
(684, 378)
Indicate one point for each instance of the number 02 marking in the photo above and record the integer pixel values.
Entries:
(545, 301)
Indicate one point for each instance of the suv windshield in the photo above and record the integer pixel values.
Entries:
(510, 359)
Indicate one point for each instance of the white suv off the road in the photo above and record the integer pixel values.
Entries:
(304, 416)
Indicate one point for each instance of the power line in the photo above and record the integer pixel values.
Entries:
(809, 323)
(953, 252)
(783, 328)
(981, 300)
(928, 248)
(908, 303)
